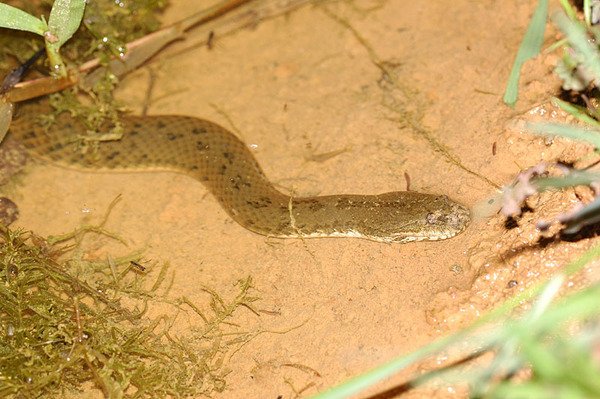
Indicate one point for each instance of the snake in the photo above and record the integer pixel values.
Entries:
(225, 165)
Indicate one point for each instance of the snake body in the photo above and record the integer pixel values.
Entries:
(225, 165)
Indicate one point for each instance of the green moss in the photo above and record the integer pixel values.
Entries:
(66, 322)
(107, 26)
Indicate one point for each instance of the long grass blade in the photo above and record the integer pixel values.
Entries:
(530, 47)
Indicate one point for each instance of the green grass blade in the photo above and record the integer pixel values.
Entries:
(569, 9)
(65, 18)
(587, 12)
(575, 110)
(13, 18)
(530, 47)
(591, 136)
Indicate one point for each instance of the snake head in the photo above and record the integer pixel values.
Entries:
(412, 216)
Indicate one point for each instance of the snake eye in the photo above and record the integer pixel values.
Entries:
(432, 218)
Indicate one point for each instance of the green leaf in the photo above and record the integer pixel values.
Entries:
(530, 47)
(13, 18)
(64, 20)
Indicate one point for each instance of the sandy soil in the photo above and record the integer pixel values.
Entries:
(309, 83)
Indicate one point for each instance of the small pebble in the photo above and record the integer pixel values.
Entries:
(456, 269)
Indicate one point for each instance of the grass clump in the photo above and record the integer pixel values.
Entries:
(66, 323)
(579, 70)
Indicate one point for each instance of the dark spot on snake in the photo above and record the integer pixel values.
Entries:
(249, 222)
(194, 167)
(257, 204)
(171, 136)
(144, 156)
(134, 132)
(241, 180)
(266, 200)
(228, 156)
(200, 146)
(238, 181)
(112, 155)
(137, 125)
(198, 130)
(160, 124)
(223, 170)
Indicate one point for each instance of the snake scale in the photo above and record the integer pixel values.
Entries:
(225, 165)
